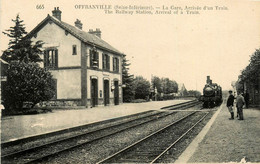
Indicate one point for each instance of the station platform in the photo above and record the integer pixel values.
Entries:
(226, 141)
(15, 127)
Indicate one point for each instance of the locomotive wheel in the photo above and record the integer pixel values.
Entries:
(206, 104)
(211, 104)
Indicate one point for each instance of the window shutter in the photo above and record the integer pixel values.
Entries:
(113, 64)
(117, 64)
(56, 58)
(103, 61)
(108, 62)
(91, 58)
(97, 58)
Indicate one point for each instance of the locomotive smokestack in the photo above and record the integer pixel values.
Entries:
(208, 80)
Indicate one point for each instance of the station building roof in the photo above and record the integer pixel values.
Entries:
(86, 37)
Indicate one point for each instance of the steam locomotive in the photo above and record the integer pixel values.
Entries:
(212, 94)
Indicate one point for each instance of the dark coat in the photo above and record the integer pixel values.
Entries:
(240, 101)
(230, 100)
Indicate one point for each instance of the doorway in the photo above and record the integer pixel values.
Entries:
(106, 92)
(94, 92)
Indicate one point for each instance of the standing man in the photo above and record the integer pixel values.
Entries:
(230, 103)
(240, 104)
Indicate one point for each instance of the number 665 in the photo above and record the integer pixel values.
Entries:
(40, 6)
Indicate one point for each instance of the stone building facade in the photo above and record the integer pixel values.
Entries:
(87, 71)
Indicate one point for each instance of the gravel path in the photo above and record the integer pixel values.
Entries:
(231, 140)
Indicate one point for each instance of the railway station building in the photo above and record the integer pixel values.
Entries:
(252, 89)
(87, 71)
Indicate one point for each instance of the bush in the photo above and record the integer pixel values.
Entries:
(27, 84)
(168, 97)
(141, 88)
(138, 101)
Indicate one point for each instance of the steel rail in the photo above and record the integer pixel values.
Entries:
(66, 130)
(10, 155)
(180, 104)
(88, 142)
(176, 141)
(95, 139)
(13, 154)
(143, 139)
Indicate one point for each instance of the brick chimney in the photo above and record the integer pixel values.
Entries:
(78, 24)
(56, 13)
(97, 32)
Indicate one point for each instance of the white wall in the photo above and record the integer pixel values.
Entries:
(68, 83)
(68, 80)
(53, 35)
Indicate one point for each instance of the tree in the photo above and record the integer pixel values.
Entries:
(20, 45)
(182, 90)
(194, 93)
(169, 86)
(185, 92)
(26, 82)
(250, 75)
(173, 86)
(141, 87)
(157, 83)
(128, 92)
(252, 71)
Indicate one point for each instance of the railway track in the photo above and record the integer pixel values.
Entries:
(149, 150)
(184, 105)
(73, 129)
(38, 153)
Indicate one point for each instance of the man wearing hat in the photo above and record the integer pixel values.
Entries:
(240, 104)
(230, 103)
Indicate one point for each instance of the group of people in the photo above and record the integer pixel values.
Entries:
(240, 103)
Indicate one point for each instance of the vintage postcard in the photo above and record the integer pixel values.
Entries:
(70, 66)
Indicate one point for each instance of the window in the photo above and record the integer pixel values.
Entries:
(74, 50)
(51, 58)
(115, 64)
(94, 59)
(106, 61)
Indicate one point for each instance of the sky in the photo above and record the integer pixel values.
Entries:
(183, 47)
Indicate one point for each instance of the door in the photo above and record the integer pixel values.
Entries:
(116, 93)
(94, 92)
(106, 92)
